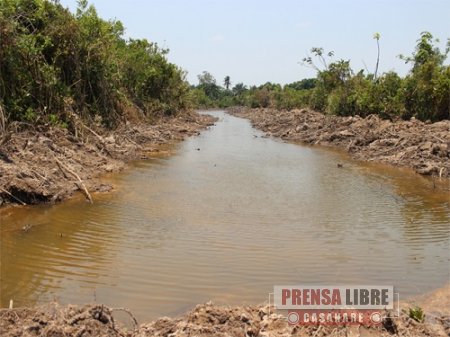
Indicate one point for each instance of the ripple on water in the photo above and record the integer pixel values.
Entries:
(227, 223)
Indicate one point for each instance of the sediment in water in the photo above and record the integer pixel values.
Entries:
(424, 147)
(44, 164)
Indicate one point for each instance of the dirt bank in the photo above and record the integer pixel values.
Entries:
(414, 144)
(48, 164)
(204, 320)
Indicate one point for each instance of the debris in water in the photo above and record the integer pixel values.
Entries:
(26, 227)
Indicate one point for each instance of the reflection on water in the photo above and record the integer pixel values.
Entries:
(224, 218)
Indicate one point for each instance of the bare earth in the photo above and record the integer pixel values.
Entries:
(207, 320)
(46, 164)
(423, 147)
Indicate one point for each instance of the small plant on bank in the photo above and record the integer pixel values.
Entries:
(416, 313)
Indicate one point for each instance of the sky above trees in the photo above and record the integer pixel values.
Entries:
(255, 41)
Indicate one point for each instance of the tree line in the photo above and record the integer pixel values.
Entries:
(424, 93)
(56, 66)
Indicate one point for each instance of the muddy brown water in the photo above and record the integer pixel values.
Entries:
(225, 216)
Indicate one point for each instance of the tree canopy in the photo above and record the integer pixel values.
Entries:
(54, 64)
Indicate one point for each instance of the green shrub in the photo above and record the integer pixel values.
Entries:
(290, 98)
(424, 93)
(417, 314)
(51, 58)
(427, 87)
(260, 98)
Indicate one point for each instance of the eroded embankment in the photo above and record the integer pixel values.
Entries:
(424, 147)
(48, 164)
(204, 320)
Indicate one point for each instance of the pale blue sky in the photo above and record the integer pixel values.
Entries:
(255, 41)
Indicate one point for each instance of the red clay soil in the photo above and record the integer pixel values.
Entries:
(424, 147)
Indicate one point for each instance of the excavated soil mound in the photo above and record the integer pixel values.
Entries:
(48, 164)
(424, 147)
(205, 320)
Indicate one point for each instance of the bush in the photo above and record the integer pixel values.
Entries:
(427, 92)
(424, 93)
(260, 98)
(362, 96)
(290, 98)
(427, 87)
(417, 314)
(53, 62)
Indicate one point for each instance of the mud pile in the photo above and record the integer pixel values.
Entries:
(48, 164)
(205, 320)
(424, 147)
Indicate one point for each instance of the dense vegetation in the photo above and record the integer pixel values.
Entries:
(56, 66)
(424, 93)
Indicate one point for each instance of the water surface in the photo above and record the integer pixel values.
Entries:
(224, 217)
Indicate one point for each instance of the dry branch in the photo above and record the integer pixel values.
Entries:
(12, 196)
(62, 167)
(2, 120)
(100, 138)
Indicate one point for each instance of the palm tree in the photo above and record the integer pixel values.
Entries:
(239, 88)
(227, 82)
(376, 36)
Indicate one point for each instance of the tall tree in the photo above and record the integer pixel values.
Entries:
(227, 82)
(207, 82)
(376, 36)
(206, 78)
